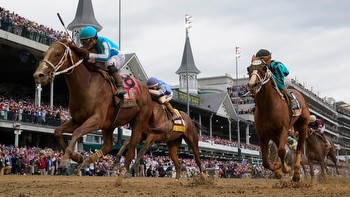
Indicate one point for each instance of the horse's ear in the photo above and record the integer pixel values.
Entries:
(253, 57)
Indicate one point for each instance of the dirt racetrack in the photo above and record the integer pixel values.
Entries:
(62, 186)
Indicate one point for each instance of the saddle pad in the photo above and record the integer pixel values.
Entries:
(297, 110)
(132, 91)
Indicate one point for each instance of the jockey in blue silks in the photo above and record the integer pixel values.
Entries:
(104, 53)
(163, 92)
(279, 72)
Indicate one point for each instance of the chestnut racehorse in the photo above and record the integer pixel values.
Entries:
(317, 151)
(163, 132)
(272, 116)
(91, 103)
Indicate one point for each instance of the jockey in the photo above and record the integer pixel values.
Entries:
(318, 126)
(105, 53)
(279, 72)
(162, 91)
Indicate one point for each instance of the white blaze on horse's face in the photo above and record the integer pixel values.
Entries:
(42, 74)
(252, 82)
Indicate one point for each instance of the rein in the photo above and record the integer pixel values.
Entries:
(64, 58)
(262, 81)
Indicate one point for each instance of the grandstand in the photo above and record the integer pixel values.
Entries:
(212, 101)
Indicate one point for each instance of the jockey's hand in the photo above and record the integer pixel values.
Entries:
(85, 54)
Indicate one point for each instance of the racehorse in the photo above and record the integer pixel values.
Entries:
(91, 102)
(164, 131)
(273, 118)
(317, 151)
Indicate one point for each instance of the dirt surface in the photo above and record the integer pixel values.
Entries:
(62, 186)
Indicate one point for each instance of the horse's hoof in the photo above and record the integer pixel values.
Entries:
(296, 178)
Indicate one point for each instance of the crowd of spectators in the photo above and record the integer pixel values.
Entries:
(45, 161)
(221, 141)
(25, 110)
(17, 24)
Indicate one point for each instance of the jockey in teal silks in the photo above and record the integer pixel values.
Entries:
(279, 72)
(104, 53)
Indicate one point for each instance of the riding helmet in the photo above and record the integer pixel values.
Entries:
(312, 118)
(262, 53)
(87, 32)
(152, 82)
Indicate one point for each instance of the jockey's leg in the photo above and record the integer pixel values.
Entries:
(114, 72)
(171, 109)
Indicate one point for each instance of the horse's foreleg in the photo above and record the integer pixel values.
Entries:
(173, 147)
(145, 147)
(265, 156)
(67, 127)
(88, 126)
(106, 147)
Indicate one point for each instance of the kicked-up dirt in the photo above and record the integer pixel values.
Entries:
(85, 186)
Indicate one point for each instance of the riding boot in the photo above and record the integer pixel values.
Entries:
(292, 102)
(114, 72)
(171, 109)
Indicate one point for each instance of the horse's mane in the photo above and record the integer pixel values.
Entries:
(80, 52)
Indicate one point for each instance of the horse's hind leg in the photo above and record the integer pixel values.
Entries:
(106, 147)
(173, 148)
(333, 157)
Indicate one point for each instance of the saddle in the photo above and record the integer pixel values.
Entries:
(130, 86)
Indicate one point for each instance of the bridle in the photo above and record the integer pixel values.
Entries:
(261, 80)
(67, 54)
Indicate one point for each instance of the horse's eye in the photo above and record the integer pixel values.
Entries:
(58, 54)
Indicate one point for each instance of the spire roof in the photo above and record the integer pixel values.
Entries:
(84, 16)
(187, 60)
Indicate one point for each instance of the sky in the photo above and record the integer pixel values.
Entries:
(310, 37)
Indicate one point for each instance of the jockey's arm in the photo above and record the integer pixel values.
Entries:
(103, 56)
(154, 92)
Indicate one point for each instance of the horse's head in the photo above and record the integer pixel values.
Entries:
(56, 60)
(259, 74)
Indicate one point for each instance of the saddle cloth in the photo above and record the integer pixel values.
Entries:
(296, 110)
(179, 125)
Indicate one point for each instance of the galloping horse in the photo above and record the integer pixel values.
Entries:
(272, 116)
(91, 102)
(163, 131)
(317, 151)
